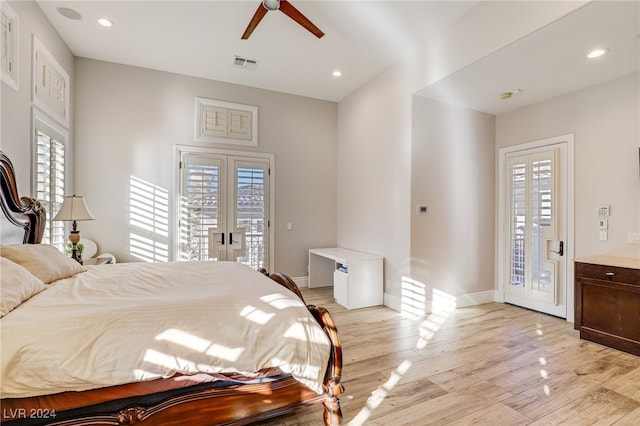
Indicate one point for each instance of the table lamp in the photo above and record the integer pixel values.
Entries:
(74, 208)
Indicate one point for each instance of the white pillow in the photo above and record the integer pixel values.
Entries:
(45, 262)
(16, 285)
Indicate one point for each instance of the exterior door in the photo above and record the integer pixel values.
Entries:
(535, 229)
(224, 208)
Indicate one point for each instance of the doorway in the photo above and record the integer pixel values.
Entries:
(535, 222)
(225, 207)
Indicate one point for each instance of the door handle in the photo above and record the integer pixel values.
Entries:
(560, 249)
(222, 240)
(230, 237)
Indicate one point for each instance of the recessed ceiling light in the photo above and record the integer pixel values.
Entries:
(105, 22)
(595, 53)
(69, 13)
(336, 73)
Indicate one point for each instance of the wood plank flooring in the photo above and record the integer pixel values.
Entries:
(493, 364)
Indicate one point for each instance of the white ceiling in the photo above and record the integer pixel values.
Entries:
(201, 38)
(551, 61)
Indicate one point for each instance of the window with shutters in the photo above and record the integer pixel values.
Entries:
(200, 206)
(49, 179)
(251, 212)
(226, 122)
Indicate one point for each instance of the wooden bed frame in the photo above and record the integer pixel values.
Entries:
(232, 405)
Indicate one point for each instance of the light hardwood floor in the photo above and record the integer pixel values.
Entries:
(493, 364)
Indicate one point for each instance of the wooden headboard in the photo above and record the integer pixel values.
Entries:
(23, 218)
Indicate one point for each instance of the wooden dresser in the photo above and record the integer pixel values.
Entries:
(607, 301)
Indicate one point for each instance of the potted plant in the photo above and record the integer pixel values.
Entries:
(79, 248)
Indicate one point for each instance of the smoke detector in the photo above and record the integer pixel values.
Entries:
(249, 64)
(507, 95)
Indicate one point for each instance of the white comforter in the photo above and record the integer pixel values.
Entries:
(123, 323)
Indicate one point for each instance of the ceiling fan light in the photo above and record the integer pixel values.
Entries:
(336, 73)
(271, 4)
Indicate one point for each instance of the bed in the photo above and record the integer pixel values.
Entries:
(174, 343)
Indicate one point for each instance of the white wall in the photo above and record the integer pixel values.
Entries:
(606, 122)
(129, 119)
(375, 140)
(374, 174)
(453, 173)
(16, 111)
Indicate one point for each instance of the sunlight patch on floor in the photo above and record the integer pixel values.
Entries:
(414, 305)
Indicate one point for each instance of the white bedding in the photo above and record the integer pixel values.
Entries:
(122, 323)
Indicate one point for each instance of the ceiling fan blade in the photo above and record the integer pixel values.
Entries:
(257, 17)
(293, 13)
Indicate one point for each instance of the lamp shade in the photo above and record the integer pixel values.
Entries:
(74, 208)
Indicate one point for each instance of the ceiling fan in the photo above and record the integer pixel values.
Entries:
(286, 8)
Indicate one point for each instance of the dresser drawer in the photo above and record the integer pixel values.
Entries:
(608, 273)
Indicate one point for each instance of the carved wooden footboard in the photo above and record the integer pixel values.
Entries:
(231, 405)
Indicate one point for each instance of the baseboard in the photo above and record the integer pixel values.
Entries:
(301, 282)
(465, 300)
(395, 303)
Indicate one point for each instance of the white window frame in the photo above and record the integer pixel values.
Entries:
(12, 40)
(185, 149)
(43, 122)
(47, 71)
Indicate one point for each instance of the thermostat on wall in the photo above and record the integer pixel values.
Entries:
(603, 210)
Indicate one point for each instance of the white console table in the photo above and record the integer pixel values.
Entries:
(356, 277)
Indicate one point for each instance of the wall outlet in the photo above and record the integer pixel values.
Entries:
(633, 237)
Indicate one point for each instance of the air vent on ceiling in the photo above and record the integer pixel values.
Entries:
(249, 64)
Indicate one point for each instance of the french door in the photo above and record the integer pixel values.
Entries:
(224, 208)
(534, 236)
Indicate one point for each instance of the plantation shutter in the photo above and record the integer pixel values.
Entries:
(214, 121)
(517, 213)
(531, 218)
(201, 213)
(252, 210)
(49, 181)
(240, 124)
